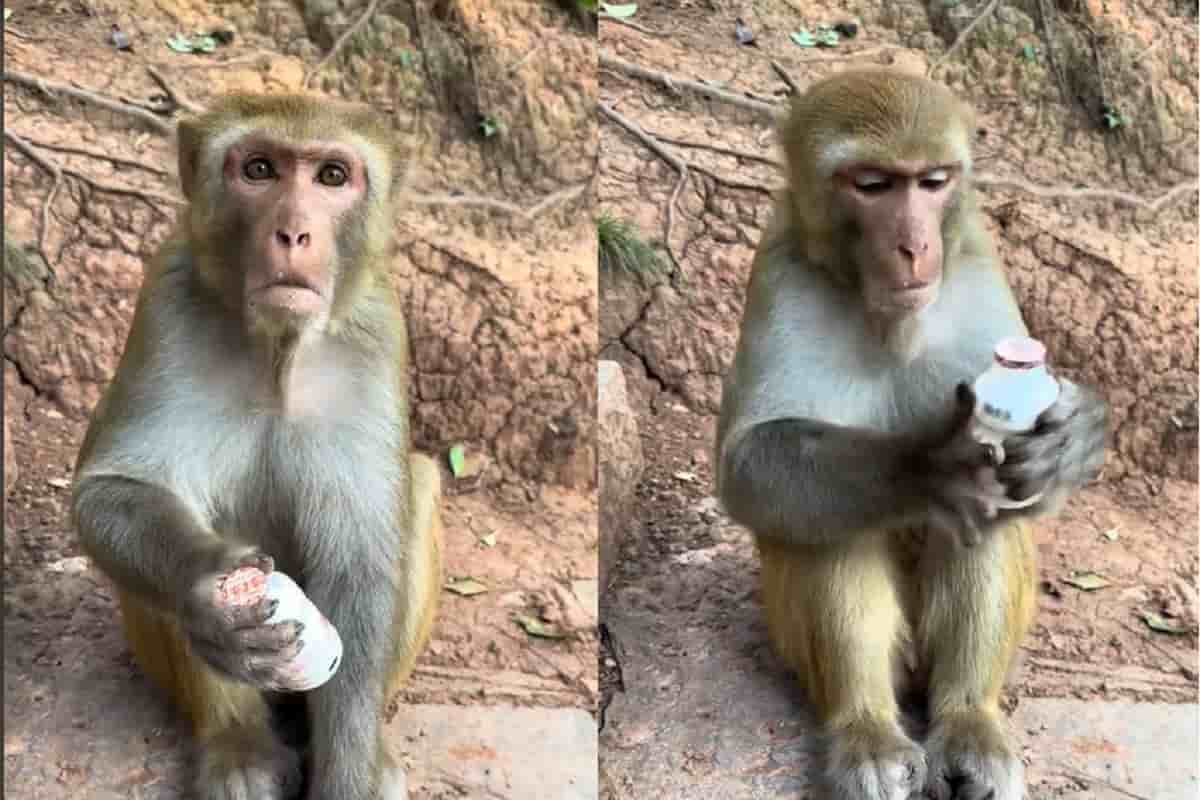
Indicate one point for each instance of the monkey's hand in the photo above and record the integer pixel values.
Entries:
(957, 477)
(233, 638)
(1063, 452)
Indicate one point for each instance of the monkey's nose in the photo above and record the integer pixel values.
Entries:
(293, 239)
(911, 251)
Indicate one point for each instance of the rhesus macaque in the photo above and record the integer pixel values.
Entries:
(259, 416)
(875, 299)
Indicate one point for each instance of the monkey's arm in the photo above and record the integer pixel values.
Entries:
(143, 536)
(806, 481)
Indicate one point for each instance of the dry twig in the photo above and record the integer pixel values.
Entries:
(628, 23)
(1072, 193)
(51, 89)
(79, 151)
(177, 101)
(149, 198)
(531, 213)
(341, 40)
(783, 76)
(728, 151)
(56, 173)
(674, 82)
(962, 37)
(666, 155)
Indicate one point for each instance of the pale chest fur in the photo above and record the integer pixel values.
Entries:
(271, 467)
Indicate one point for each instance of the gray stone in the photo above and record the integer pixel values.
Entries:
(482, 751)
(621, 463)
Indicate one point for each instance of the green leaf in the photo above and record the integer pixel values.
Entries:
(180, 43)
(489, 126)
(466, 587)
(1029, 52)
(535, 627)
(826, 36)
(488, 541)
(803, 38)
(406, 59)
(619, 10)
(458, 458)
(1087, 581)
(1163, 625)
(7, 14)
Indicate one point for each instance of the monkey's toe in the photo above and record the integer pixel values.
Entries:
(888, 768)
(974, 776)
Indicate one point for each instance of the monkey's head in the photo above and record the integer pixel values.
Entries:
(289, 204)
(878, 169)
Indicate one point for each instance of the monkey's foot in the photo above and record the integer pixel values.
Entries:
(243, 765)
(970, 759)
(874, 761)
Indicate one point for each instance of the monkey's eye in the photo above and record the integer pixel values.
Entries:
(871, 182)
(935, 180)
(258, 169)
(333, 175)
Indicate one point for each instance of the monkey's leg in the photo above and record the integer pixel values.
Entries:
(420, 589)
(977, 604)
(240, 757)
(834, 616)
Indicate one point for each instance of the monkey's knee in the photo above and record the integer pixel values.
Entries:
(978, 604)
(211, 702)
(422, 577)
(834, 617)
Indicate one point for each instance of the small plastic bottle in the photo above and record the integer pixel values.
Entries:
(321, 654)
(1011, 395)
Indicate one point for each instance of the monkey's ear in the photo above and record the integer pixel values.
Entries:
(190, 140)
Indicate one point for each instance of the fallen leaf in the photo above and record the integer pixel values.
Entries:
(1087, 581)
(803, 38)
(619, 10)
(1112, 534)
(535, 627)
(466, 587)
(690, 477)
(457, 460)
(488, 541)
(1161, 624)
(59, 483)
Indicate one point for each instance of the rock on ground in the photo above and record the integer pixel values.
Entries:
(620, 465)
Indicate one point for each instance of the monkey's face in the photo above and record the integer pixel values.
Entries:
(895, 214)
(290, 204)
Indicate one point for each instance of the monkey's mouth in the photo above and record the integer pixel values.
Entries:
(291, 294)
(906, 299)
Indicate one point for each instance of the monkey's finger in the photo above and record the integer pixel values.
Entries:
(257, 559)
(268, 638)
(253, 615)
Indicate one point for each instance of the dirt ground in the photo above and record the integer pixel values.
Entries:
(1110, 288)
(501, 303)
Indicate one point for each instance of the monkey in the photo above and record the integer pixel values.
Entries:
(887, 565)
(259, 417)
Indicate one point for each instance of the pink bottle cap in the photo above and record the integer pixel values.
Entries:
(1020, 352)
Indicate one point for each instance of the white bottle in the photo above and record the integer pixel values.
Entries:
(321, 654)
(1010, 396)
